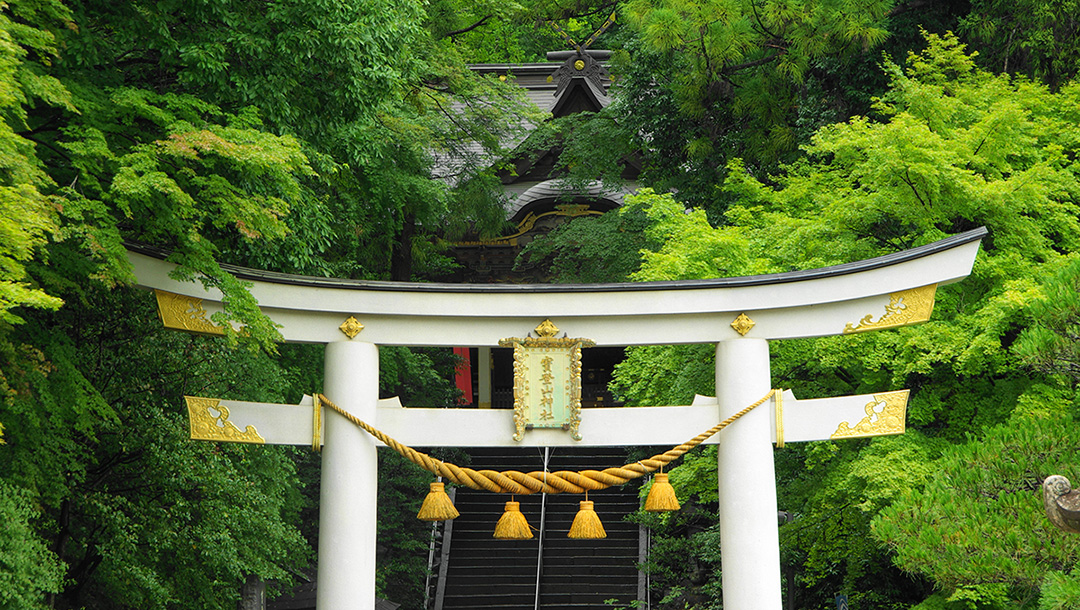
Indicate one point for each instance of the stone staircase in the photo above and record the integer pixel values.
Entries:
(487, 574)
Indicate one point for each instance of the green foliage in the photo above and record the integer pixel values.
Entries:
(27, 215)
(957, 148)
(503, 33)
(26, 565)
(719, 41)
(139, 515)
(295, 137)
(684, 551)
(419, 376)
(1049, 343)
(1037, 39)
(979, 521)
(611, 242)
(373, 101)
(175, 171)
(403, 539)
(701, 83)
(1060, 591)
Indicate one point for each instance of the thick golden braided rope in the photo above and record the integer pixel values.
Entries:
(563, 481)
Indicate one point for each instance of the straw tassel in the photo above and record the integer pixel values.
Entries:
(437, 505)
(587, 524)
(661, 498)
(512, 524)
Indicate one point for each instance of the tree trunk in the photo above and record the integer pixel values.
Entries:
(401, 263)
(253, 595)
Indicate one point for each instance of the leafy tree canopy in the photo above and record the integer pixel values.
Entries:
(290, 137)
(959, 148)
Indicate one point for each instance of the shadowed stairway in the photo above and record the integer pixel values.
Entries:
(485, 573)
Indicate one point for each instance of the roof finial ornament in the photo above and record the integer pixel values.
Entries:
(581, 62)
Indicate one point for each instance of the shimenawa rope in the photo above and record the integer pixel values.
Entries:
(563, 481)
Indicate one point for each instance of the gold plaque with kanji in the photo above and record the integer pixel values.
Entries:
(547, 381)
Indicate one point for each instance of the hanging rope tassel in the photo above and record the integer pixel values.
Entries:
(661, 498)
(437, 505)
(512, 524)
(587, 524)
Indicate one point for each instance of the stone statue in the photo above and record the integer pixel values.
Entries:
(1062, 503)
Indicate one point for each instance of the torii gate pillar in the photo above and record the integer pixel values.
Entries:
(750, 540)
(348, 493)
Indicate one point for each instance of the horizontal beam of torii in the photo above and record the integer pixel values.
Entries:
(739, 315)
(792, 420)
(878, 293)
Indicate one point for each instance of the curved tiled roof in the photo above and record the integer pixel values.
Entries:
(553, 189)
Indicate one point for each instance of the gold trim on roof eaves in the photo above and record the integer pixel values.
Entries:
(184, 313)
(905, 308)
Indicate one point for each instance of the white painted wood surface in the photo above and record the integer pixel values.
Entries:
(349, 482)
(803, 420)
(402, 314)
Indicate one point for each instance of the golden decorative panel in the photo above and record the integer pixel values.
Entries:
(210, 422)
(184, 313)
(742, 324)
(904, 308)
(884, 415)
(547, 381)
(351, 327)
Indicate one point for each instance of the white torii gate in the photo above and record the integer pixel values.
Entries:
(739, 315)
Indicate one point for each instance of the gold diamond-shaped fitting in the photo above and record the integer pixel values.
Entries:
(546, 329)
(742, 324)
(351, 327)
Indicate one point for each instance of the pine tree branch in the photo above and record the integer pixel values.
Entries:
(755, 63)
(468, 28)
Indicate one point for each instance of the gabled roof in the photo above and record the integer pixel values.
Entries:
(569, 84)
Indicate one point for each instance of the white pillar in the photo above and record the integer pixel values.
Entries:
(750, 541)
(349, 486)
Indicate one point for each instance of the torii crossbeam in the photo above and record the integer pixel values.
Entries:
(739, 315)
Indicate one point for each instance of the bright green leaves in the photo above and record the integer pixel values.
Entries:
(187, 172)
(1060, 591)
(957, 148)
(833, 490)
(175, 171)
(962, 149)
(691, 248)
(27, 215)
(1049, 344)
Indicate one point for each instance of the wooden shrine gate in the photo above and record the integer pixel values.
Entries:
(740, 315)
